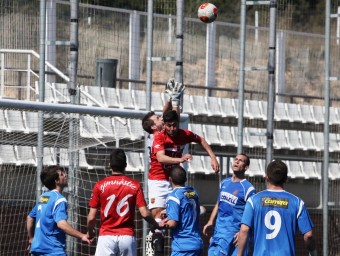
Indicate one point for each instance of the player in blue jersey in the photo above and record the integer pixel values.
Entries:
(233, 194)
(183, 212)
(274, 216)
(47, 224)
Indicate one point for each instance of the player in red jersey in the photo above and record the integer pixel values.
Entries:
(167, 151)
(116, 197)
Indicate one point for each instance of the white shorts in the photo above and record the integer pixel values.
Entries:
(116, 245)
(158, 191)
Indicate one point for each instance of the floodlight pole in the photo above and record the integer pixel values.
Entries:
(241, 77)
(325, 166)
(271, 80)
(42, 50)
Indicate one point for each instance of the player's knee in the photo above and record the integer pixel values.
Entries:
(158, 244)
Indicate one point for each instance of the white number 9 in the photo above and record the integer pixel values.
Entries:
(276, 226)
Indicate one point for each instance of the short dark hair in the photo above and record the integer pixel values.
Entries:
(247, 162)
(49, 175)
(147, 122)
(170, 116)
(277, 172)
(118, 160)
(178, 175)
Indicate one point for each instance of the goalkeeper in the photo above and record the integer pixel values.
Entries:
(159, 189)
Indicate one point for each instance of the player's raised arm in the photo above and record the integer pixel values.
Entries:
(211, 219)
(214, 163)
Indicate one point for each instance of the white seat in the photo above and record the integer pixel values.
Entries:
(214, 106)
(49, 92)
(15, 121)
(7, 155)
(307, 140)
(83, 163)
(125, 99)
(196, 165)
(227, 135)
(318, 168)
(295, 169)
(318, 140)
(307, 113)
(211, 134)
(49, 157)
(105, 127)
(294, 113)
(88, 127)
(63, 157)
(31, 121)
(139, 99)
(334, 172)
(61, 93)
(256, 168)
(196, 128)
(280, 140)
(281, 112)
(121, 128)
(3, 121)
(253, 110)
(229, 107)
(187, 104)
(199, 106)
(294, 139)
(110, 97)
(134, 162)
(157, 101)
(207, 165)
(309, 168)
(254, 137)
(334, 142)
(96, 96)
(25, 155)
(334, 117)
(134, 128)
(319, 114)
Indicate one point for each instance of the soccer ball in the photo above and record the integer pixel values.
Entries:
(207, 12)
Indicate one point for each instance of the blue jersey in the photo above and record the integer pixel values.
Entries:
(231, 202)
(183, 207)
(274, 217)
(48, 238)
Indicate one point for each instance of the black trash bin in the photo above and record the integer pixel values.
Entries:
(106, 72)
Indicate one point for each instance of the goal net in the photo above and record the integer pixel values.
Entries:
(78, 142)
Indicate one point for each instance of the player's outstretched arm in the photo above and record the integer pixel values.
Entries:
(91, 222)
(68, 229)
(242, 239)
(214, 164)
(30, 230)
(310, 243)
(211, 219)
(146, 214)
(164, 159)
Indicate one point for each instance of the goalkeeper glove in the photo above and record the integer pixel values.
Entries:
(175, 91)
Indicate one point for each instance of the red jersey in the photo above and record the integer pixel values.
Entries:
(173, 147)
(117, 197)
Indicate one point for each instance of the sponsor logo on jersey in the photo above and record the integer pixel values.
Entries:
(275, 202)
(44, 199)
(189, 194)
(117, 183)
(157, 146)
(228, 198)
